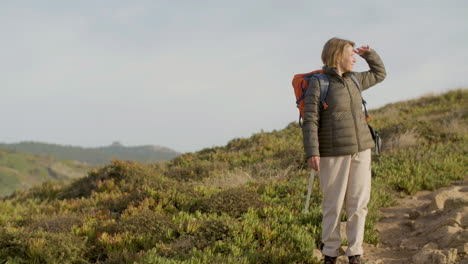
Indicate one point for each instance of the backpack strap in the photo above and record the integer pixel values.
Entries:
(364, 103)
(324, 85)
(356, 82)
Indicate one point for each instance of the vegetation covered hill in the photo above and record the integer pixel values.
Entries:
(95, 156)
(241, 203)
(22, 170)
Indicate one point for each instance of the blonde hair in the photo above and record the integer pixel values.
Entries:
(333, 51)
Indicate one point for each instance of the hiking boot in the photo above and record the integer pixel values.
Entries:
(329, 260)
(356, 259)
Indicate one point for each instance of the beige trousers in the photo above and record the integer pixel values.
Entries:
(345, 179)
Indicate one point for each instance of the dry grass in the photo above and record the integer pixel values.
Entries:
(232, 179)
(407, 139)
(228, 179)
(455, 124)
(390, 115)
(60, 168)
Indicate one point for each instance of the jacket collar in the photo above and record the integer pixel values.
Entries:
(333, 71)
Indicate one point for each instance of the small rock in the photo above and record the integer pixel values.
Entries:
(456, 202)
(407, 243)
(450, 198)
(418, 226)
(443, 221)
(423, 257)
(457, 217)
(342, 250)
(409, 224)
(459, 240)
(414, 214)
(464, 217)
(431, 245)
(435, 256)
(444, 235)
(342, 260)
(439, 200)
(317, 254)
(451, 254)
(438, 257)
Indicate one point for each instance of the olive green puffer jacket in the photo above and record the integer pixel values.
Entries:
(341, 129)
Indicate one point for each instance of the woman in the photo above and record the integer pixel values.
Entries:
(337, 143)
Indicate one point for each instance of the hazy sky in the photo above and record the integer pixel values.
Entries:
(194, 74)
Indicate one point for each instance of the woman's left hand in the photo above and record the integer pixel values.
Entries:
(361, 50)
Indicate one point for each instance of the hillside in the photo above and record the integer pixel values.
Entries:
(240, 203)
(95, 156)
(22, 170)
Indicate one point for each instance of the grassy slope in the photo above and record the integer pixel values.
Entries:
(96, 156)
(240, 203)
(22, 170)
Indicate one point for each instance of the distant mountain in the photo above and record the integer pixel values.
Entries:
(95, 156)
(22, 170)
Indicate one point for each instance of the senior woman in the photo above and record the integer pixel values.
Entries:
(338, 143)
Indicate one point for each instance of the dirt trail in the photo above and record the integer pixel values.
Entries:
(428, 227)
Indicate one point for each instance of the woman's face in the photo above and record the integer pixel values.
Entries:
(347, 61)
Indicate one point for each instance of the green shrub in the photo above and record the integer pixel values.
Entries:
(12, 246)
(197, 171)
(41, 247)
(55, 224)
(118, 171)
(153, 225)
(234, 202)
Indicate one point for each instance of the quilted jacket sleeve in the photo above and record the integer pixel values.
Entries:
(376, 73)
(311, 119)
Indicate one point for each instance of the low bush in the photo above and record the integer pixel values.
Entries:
(233, 202)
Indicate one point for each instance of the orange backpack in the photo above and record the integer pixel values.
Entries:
(300, 84)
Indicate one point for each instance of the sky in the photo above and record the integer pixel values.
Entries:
(190, 75)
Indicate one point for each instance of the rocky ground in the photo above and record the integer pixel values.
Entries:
(426, 228)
